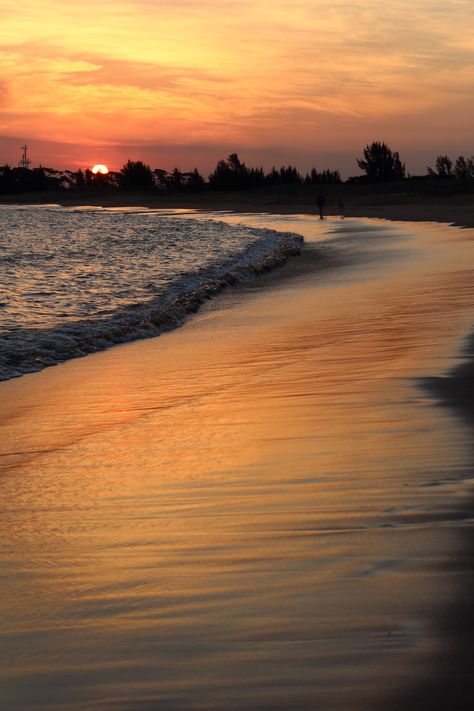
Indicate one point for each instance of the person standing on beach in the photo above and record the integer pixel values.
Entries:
(340, 205)
(320, 202)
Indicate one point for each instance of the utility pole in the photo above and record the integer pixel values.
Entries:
(25, 161)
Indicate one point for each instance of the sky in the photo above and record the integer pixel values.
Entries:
(187, 82)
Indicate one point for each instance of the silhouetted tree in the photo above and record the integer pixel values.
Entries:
(106, 181)
(80, 180)
(256, 177)
(381, 163)
(443, 168)
(470, 168)
(68, 179)
(222, 177)
(7, 180)
(90, 181)
(230, 174)
(464, 168)
(461, 168)
(89, 178)
(135, 175)
(39, 180)
(19, 180)
(196, 182)
(50, 178)
(234, 163)
(160, 178)
(273, 177)
(176, 179)
(324, 178)
(290, 175)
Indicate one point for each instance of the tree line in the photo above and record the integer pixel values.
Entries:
(229, 174)
(461, 169)
(379, 163)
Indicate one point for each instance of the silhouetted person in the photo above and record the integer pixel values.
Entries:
(340, 205)
(320, 202)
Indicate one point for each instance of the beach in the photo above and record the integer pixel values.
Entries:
(269, 507)
(415, 200)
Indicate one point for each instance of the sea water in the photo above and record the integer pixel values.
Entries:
(77, 280)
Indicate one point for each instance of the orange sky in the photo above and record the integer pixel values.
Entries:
(187, 82)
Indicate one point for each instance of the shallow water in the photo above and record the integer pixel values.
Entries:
(78, 280)
(260, 510)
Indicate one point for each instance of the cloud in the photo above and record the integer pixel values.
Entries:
(310, 75)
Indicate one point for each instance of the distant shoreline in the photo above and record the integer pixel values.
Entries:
(398, 202)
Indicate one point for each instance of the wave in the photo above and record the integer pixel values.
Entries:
(29, 350)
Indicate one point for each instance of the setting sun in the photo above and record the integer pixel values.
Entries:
(99, 168)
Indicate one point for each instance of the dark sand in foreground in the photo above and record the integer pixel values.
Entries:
(269, 508)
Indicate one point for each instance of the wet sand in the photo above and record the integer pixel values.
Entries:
(269, 508)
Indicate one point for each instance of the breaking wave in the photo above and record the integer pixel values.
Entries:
(247, 253)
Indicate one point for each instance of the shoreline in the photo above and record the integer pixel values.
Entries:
(457, 210)
(455, 389)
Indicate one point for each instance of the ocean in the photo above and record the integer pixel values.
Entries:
(78, 280)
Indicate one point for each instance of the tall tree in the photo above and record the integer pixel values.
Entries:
(443, 167)
(230, 174)
(461, 168)
(196, 182)
(135, 175)
(176, 179)
(381, 163)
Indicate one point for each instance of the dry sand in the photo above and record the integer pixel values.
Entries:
(268, 508)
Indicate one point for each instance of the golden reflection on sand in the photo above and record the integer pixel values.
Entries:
(254, 511)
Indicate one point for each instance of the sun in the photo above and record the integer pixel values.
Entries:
(99, 168)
